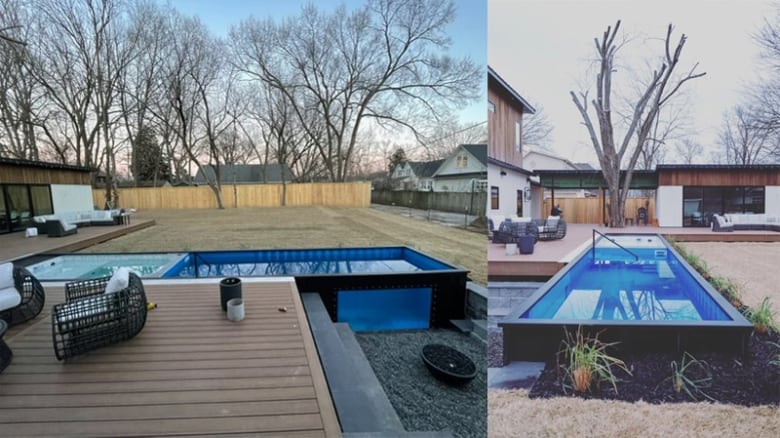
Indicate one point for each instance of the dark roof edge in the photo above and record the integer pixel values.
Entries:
(717, 167)
(46, 165)
(512, 91)
(497, 162)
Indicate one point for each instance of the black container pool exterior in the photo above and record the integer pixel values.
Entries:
(631, 289)
(380, 288)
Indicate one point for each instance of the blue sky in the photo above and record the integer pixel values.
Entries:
(468, 31)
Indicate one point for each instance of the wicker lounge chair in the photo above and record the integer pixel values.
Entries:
(94, 316)
(510, 231)
(552, 229)
(21, 294)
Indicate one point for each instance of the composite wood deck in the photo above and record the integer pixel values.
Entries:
(15, 245)
(189, 372)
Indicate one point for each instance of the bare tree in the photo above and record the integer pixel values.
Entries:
(745, 138)
(446, 136)
(341, 71)
(688, 150)
(537, 129)
(611, 152)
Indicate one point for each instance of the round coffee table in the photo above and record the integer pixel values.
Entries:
(5, 352)
(448, 364)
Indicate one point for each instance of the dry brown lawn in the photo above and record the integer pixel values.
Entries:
(752, 266)
(513, 414)
(302, 227)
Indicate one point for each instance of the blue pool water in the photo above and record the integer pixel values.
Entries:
(383, 288)
(640, 296)
(646, 282)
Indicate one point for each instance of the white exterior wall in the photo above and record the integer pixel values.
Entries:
(508, 185)
(71, 197)
(669, 206)
(772, 200)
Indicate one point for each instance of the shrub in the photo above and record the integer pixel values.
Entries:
(763, 318)
(586, 361)
(691, 375)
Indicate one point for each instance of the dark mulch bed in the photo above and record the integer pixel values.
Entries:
(748, 381)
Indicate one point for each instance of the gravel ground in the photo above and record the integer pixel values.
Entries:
(422, 402)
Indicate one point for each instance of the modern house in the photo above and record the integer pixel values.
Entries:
(34, 188)
(246, 174)
(511, 192)
(415, 175)
(465, 170)
(688, 195)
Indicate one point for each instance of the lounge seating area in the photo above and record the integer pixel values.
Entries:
(98, 313)
(63, 224)
(554, 228)
(745, 221)
(21, 294)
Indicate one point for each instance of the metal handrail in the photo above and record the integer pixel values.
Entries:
(593, 245)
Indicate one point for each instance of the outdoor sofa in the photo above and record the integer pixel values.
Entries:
(21, 294)
(77, 218)
(511, 230)
(745, 221)
(97, 313)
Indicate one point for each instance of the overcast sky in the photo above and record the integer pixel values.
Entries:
(543, 48)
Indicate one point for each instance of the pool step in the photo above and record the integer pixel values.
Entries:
(360, 401)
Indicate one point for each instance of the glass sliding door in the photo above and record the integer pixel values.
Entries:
(5, 225)
(700, 203)
(41, 200)
(18, 203)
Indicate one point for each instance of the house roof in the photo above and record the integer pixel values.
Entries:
(479, 151)
(527, 107)
(584, 166)
(245, 173)
(45, 165)
(425, 169)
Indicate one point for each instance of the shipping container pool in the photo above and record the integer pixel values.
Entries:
(371, 288)
(632, 289)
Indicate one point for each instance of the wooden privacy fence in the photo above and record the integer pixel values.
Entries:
(589, 210)
(353, 194)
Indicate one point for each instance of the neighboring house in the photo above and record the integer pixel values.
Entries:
(245, 174)
(465, 170)
(415, 175)
(539, 159)
(511, 192)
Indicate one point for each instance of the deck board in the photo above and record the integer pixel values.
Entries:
(189, 372)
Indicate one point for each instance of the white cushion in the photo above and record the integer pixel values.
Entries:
(7, 275)
(9, 298)
(552, 221)
(118, 281)
(68, 226)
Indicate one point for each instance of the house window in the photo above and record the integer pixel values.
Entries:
(481, 185)
(517, 137)
(491, 107)
(493, 198)
(462, 161)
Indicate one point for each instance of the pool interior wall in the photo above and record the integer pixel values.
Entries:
(532, 331)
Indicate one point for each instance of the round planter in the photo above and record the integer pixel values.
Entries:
(235, 309)
(229, 288)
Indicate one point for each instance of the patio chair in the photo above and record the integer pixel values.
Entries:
(554, 228)
(98, 313)
(510, 232)
(21, 294)
(641, 215)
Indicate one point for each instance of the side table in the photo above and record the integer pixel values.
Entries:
(5, 352)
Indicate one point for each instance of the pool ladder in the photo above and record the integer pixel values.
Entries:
(593, 245)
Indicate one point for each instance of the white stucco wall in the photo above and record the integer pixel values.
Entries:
(669, 206)
(772, 200)
(508, 185)
(71, 197)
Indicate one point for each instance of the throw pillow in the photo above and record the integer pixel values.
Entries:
(118, 281)
(6, 275)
